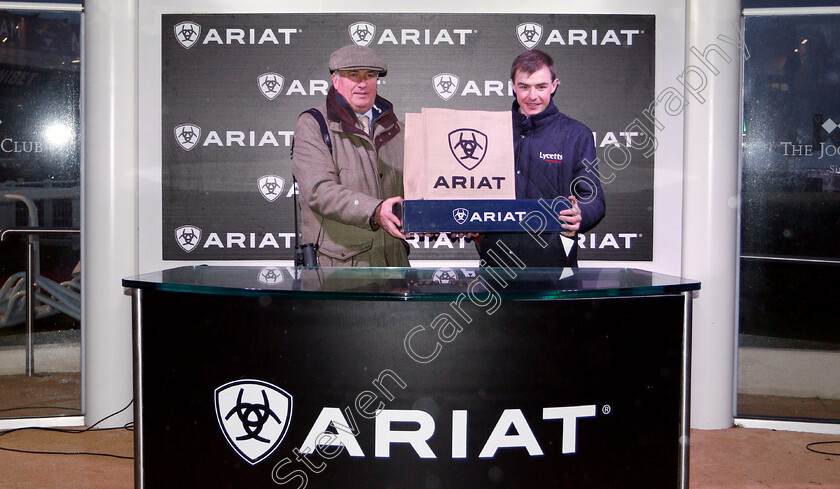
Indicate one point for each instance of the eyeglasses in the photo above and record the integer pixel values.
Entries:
(358, 75)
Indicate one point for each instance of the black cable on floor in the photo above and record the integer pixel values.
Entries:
(808, 446)
(128, 427)
(63, 408)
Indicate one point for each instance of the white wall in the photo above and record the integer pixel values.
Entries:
(109, 205)
(710, 252)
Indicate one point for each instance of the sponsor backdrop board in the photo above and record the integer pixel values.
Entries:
(234, 84)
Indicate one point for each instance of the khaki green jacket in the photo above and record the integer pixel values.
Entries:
(340, 191)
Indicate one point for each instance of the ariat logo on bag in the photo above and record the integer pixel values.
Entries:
(468, 146)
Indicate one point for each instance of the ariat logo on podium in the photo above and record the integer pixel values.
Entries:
(254, 417)
(187, 33)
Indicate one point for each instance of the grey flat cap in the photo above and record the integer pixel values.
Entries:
(354, 57)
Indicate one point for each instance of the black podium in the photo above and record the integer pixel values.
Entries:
(411, 378)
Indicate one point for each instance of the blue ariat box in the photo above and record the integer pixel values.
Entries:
(478, 216)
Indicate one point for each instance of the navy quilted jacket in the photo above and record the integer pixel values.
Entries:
(550, 149)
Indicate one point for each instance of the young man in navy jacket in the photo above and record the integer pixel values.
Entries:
(554, 157)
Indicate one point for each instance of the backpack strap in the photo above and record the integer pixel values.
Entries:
(322, 124)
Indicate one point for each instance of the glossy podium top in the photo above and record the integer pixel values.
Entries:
(425, 284)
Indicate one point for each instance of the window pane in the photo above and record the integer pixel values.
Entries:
(790, 219)
(40, 147)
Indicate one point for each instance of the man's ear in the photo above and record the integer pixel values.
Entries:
(554, 85)
(334, 75)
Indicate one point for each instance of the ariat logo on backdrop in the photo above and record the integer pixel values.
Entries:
(362, 33)
(270, 84)
(271, 187)
(617, 241)
(188, 237)
(468, 146)
(446, 84)
(187, 135)
(187, 33)
(254, 417)
(529, 34)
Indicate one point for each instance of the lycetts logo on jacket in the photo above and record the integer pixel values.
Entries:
(556, 158)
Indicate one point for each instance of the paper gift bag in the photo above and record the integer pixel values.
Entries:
(414, 161)
(459, 155)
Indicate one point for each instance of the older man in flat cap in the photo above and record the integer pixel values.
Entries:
(350, 170)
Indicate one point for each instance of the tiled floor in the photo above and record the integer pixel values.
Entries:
(789, 407)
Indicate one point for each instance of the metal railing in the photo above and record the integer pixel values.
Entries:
(65, 300)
